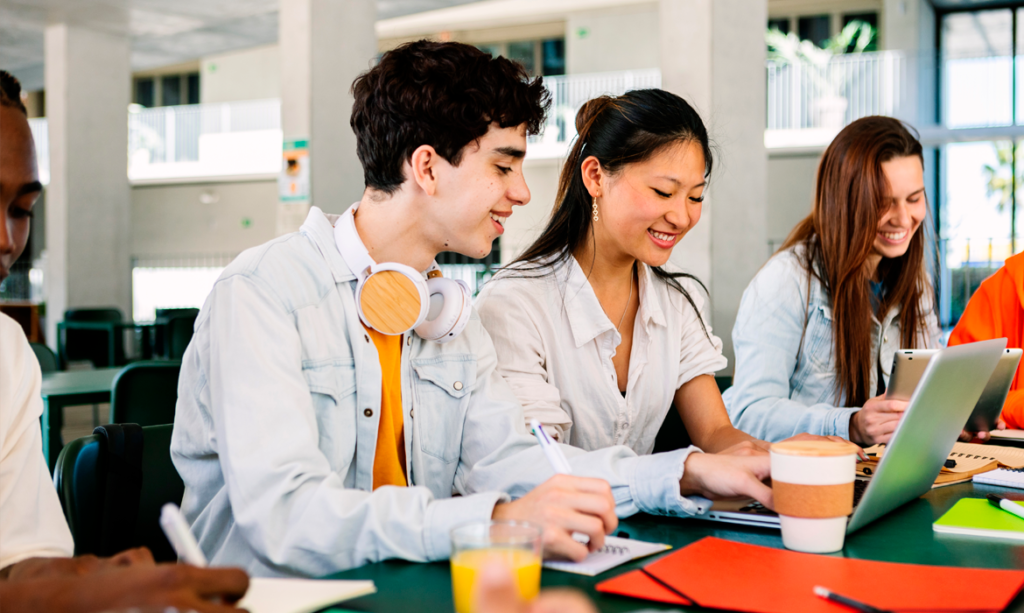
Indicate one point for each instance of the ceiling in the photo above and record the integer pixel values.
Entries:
(162, 32)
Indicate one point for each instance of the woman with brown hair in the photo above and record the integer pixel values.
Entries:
(818, 326)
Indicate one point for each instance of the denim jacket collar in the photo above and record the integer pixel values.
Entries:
(319, 227)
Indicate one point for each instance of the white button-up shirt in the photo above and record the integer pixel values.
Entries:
(31, 521)
(555, 347)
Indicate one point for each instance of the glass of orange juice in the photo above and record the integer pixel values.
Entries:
(515, 544)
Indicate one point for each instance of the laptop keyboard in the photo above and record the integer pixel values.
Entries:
(859, 487)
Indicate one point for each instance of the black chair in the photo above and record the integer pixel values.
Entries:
(92, 334)
(45, 356)
(82, 480)
(145, 393)
(165, 344)
(673, 435)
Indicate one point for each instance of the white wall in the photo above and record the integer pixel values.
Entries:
(791, 180)
(175, 220)
(615, 38)
(528, 221)
(253, 74)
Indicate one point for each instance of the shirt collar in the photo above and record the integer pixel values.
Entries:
(587, 319)
(319, 227)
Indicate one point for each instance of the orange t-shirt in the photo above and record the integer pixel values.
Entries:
(389, 457)
(996, 310)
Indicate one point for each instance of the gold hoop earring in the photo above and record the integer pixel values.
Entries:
(595, 208)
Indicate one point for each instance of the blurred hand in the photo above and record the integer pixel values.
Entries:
(562, 505)
(876, 422)
(747, 448)
(496, 592)
(184, 587)
(39, 568)
(720, 475)
(982, 436)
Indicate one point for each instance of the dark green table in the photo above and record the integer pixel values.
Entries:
(69, 388)
(902, 536)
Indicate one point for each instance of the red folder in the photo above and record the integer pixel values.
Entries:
(721, 574)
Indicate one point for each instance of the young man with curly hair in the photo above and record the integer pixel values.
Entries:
(308, 441)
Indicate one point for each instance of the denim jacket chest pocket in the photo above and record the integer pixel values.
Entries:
(814, 374)
(332, 386)
(441, 391)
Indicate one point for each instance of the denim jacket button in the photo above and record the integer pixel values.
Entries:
(368, 412)
(885, 339)
(457, 385)
(367, 337)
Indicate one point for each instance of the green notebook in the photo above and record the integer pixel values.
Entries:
(977, 517)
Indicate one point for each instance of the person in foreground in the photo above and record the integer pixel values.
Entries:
(818, 326)
(595, 332)
(996, 310)
(309, 441)
(37, 572)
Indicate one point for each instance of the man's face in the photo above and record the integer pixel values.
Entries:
(19, 185)
(474, 199)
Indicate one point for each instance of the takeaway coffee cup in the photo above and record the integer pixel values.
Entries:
(812, 482)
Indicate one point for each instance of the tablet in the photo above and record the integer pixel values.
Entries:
(990, 405)
(907, 367)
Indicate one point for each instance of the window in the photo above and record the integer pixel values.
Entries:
(977, 69)
(782, 25)
(145, 92)
(869, 18)
(539, 57)
(815, 28)
(167, 90)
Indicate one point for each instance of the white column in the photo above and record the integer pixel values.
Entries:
(325, 45)
(88, 80)
(713, 55)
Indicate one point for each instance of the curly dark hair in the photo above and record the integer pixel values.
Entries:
(10, 92)
(445, 95)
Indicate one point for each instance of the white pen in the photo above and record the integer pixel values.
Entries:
(551, 450)
(176, 529)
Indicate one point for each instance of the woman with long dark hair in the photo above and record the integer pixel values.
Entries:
(597, 335)
(818, 326)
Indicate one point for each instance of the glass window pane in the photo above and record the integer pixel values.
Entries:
(554, 57)
(815, 28)
(193, 88)
(782, 24)
(144, 92)
(493, 49)
(977, 68)
(522, 51)
(171, 86)
(975, 218)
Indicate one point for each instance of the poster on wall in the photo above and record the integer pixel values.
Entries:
(293, 189)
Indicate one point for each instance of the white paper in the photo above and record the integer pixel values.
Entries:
(267, 595)
(616, 551)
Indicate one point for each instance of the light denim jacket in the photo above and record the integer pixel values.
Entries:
(775, 395)
(276, 426)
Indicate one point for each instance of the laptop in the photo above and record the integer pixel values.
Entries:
(949, 388)
(908, 365)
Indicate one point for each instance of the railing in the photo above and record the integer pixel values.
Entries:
(228, 138)
(569, 92)
(828, 96)
(173, 281)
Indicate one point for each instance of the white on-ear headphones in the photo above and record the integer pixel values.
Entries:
(394, 298)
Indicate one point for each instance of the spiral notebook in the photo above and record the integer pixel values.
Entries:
(616, 551)
(1006, 477)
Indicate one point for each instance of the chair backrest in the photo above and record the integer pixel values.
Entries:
(145, 393)
(45, 356)
(81, 479)
(179, 334)
(165, 314)
(100, 314)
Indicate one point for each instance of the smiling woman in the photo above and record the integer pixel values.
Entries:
(817, 327)
(19, 179)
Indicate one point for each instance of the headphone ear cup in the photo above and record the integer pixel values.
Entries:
(450, 308)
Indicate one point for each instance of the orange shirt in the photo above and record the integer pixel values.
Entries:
(994, 311)
(389, 457)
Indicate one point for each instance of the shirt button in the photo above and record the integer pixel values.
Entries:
(408, 341)
(457, 385)
(368, 412)
(885, 339)
(412, 412)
